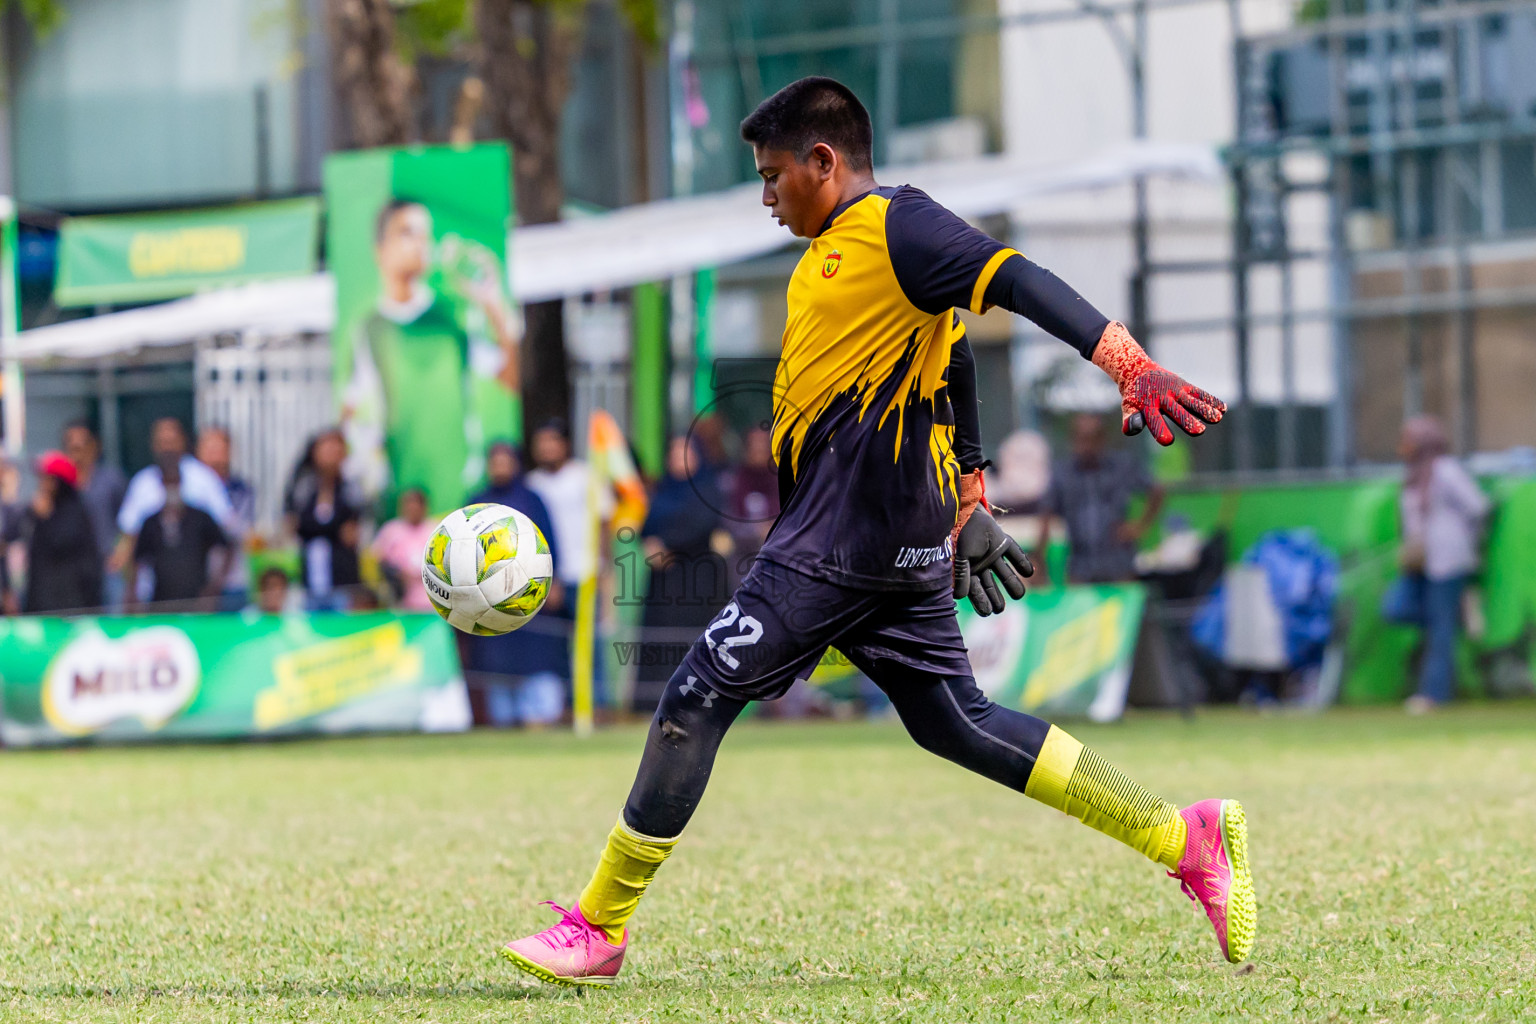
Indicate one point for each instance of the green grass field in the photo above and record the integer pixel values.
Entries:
(834, 873)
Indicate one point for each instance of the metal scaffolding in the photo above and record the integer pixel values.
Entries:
(1412, 109)
(1396, 117)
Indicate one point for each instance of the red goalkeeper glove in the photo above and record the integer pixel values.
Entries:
(1147, 391)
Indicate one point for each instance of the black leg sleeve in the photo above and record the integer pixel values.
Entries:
(690, 722)
(952, 718)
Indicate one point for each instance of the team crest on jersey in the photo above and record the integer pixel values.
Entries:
(831, 263)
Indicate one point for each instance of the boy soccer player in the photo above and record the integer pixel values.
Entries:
(884, 524)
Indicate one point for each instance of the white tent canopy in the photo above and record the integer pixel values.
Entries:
(295, 305)
(646, 242)
(654, 241)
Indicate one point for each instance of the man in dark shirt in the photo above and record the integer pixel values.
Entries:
(176, 544)
(1092, 493)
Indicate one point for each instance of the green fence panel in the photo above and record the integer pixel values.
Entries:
(1358, 521)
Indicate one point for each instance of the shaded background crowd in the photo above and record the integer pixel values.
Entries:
(179, 536)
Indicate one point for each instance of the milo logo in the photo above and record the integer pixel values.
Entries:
(151, 674)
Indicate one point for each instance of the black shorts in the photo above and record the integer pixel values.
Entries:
(780, 622)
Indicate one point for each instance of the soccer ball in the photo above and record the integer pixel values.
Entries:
(487, 569)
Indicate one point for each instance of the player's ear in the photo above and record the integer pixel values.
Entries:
(824, 160)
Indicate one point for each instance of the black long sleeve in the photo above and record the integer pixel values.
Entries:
(962, 399)
(1035, 293)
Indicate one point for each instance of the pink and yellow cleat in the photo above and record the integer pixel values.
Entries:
(1214, 873)
(572, 952)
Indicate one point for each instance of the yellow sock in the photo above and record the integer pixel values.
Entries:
(628, 864)
(1070, 777)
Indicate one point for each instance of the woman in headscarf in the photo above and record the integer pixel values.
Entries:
(689, 581)
(63, 562)
(1442, 518)
(326, 513)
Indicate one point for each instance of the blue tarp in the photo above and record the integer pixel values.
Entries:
(1304, 581)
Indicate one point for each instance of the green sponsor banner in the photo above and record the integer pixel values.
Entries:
(141, 257)
(425, 337)
(1060, 652)
(226, 676)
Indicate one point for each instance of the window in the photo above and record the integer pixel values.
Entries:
(1518, 169)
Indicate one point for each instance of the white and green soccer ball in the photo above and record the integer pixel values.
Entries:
(487, 569)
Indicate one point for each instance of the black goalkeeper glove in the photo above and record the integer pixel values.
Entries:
(985, 556)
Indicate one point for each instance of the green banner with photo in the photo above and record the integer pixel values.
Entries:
(1061, 652)
(426, 337)
(140, 257)
(178, 677)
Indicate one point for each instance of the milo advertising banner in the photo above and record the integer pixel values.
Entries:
(426, 337)
(1062, 652)
(226, 676)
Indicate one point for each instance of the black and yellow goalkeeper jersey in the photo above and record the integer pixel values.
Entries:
(862, 429)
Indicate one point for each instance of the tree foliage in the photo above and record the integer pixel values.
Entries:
(436, 28)
(43, 15)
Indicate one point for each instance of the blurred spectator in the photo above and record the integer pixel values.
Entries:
(688, 581)
(505, 485)
(101, 488)
(1022, 473)
(754, 501)
(182, 545)
(562, 483)
(363, 599)
(1092, 492)
(521, 673)
(200, 488)
(274, 592)
(708, 436)
(1442, 513)
(399, 546)
(326, 513)
(213, 451)
(63, 562)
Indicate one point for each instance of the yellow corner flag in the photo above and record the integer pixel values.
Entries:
(609, 467)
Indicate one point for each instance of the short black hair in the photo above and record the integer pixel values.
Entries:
(388, 210)
(809, 111)
(558, 425)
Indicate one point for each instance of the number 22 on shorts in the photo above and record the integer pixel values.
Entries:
(749, 631)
